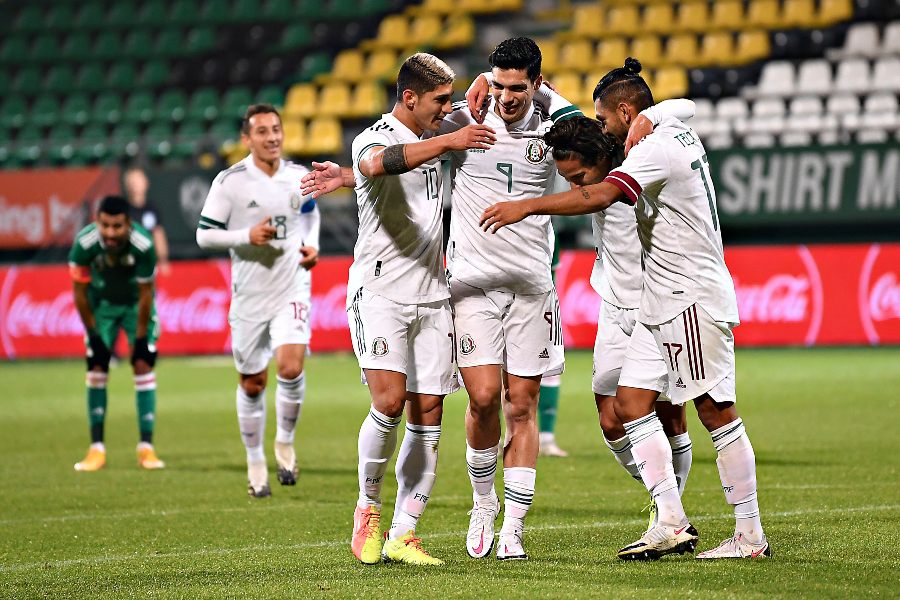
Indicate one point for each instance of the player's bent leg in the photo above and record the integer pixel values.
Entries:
(95, 381)
(145, 400)
(251, 411)
(289, 395)
(674, 421)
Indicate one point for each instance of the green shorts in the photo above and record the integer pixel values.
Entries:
(111, 317)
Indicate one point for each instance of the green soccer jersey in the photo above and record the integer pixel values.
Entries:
(112, 278)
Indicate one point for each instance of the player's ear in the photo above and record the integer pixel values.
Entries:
(624, 111)
(538, 81)
(409, 99)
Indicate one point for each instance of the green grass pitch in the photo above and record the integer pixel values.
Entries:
(824, 424)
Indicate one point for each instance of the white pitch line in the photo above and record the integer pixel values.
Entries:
(96, 560)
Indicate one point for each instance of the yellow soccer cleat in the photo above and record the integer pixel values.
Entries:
(408, 549)
(366, 540)
(147, 458)
(94, 461)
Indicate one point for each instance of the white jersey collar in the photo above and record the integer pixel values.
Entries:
(520, 124)
(257, 172)
(398, 125)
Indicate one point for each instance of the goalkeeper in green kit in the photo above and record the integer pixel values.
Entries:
(113, 265)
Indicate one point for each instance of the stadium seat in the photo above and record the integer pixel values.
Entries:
(611, 53)
(570, 86)
(107, 108)
(834, 11)
(752, 46)
(735, 111)
(13, 112)
(324, 136)
(188, 139)
(886, 74)
(622, 20)
(727, 14)
(200, 40)
(649, 49)
(658, 18)
(670, 82)
(693, 15)
(682, 49)
(313, 64)
(159, 138)
(31, 18)
(76, 109)
(61, 144)
(91, 78)
(215, 11)
(576, 55)
(77, 46)
(45, 49)
(271, 94)
(204, 105)
(138, 45)
(587, 21)
(93, 144)
(28, 148)
(27, 81)
(767, 116)
(843, 108)
(433, 7)
(294, 136)
(393, 32)
(91, 15)
(154, 74)
(107, 46)
(170, 42)
(798, 13)
(138, 108)
(459, 31)
(425, 30)
(369, 99)
(60, 79)
(890, 42)
(806, 116)
(295, 36)
(853, 76)
(15, 50)
(776, 79)
(334, 100)
(125, 140)
(121, 77)
(814, 77)
(121, 15)
(861, 41)
(44, 111)
(382, 64)
(716, 49)
(881, 112)
(549, 54)
(226, 131)
(764, 14)
(172, 106)
(277, 10)
(349, 65)
(301, 101)
(235, 102)
(58, 17)
(182, 12)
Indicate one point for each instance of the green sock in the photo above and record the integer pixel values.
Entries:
(96, 405)
(145, 397)
(547, 404)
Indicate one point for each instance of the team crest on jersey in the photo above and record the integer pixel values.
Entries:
(535, 151)
(466, 344)
(296, 200)
(379, 346)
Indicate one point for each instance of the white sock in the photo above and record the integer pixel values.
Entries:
(737, 471)
(416, 467)
(653, 456)
(518, 494)
(288, 402)
(482, 466)
(682, 457)
(621, 451)
(251, 412)
(377, 440)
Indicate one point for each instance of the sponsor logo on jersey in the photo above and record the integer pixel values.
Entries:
(879, 293)
(252, 204)
(466, 344)
(535, 151)
(379, 346)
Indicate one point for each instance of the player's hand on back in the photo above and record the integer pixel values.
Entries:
(324, 178)
(262, 232)
(501, 214)
(477, 98)
(640, 128)
(310, 256)
(472, 136)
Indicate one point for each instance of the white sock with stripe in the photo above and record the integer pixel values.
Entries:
(288, 404)
(377, 441)
(737, 471)
(482, 465)
(251, 412)
(682, 457)
(416, 470)
(621, 451)
(653, 456)
(518, 494)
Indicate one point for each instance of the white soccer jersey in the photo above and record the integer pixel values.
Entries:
(677, 225)
(617, 275)
(264, 277)
(398, 251)
(517, 258)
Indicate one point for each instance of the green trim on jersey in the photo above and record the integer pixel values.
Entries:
(566, 113)
(364, 150)
(114, 278)
(207, 223)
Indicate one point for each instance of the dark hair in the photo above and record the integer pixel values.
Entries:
(582, 138)
(517, 53)
(624, 85)
(257, 109)
(422, 73)
(113, 205)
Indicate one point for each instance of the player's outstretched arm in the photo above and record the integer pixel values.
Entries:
(680, 108)
(223, 239)
(579, 201)
(402, 158)
(325, 178)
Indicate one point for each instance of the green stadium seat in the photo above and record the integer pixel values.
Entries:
(190, 135)
(184, 12)
(271, 94)
(27, 81)
(154, 74)
(5, 79)
(59, 17)
(92, 78)
(13, 112)
(341, 10)
(76, 109)
(62, 144)
(138, 108)
(138, 45)
(170, 42)
(278, 10)
(121, 15)
(31, 18)
(296, 36)
(6, 144)
(91, 15)
(107, 46)
(172, 106)
(204, 105)
(15, 49)
(125, 140)
(60, 79)
(159, 138)
(235, 102)
(77, 46)
(121, 76)
(244, 11)
(200, 40)
(44, 111)
(369, 8)
(215, 11)
(45, 49)
(226, 131)
(28, 146)
(107, 108)
(93, 144)
(312, 65)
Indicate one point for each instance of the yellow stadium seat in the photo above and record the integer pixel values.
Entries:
(294, 136)
(752, 45)
(716, 49)
(393, 32)
(382, 64)
(611, 53)
(348, 66)
(833, 11)
(508, 5)
(648, 50)
(369, 99)
(577, 56)
(727, 14)
(622, 20)
(587, 21)
(658, 18)
(569, 86)
(549, 55)
(693, 16)
(668, 83)
(459, 31)
(425, 30)
(682, 49)
(334, 100)
(433, 7)
(799, 13)
(301, 101)
(764, 14)
(488, 6)
(323, 136)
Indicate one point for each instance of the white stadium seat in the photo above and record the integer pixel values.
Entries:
(777, 79)
(890, 40)
(814, 77)
(861, 40)
(886, 75)
(853, 75)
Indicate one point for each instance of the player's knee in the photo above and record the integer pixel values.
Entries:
(484, 401)
(290, 371)
(141, 367)
(253, 386)
(519, 411)
(714, 414)
(388, 404)
(610, 424)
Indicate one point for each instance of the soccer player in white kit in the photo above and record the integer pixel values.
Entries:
(688, 304)
(272, 233)
(398, 300)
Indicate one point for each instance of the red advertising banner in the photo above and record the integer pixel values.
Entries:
(787, 295)
(42, 207)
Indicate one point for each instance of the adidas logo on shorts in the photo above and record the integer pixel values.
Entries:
(544, 354)
(253, 204)
(680, 384)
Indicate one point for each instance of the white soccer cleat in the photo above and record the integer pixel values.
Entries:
(286, 459)
(510, 546)
(661, 540)
(480, 538)
(258, 480)
(737, 547)
(551, 449)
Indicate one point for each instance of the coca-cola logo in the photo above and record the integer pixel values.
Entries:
(780, 299)
(329, 309)
(204, 310)
(879, 294)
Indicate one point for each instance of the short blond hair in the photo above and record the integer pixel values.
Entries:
(423, 72)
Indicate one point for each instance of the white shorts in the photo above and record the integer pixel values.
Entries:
(253, 342)
(618, 334)
(699, 354)
(413, 339)
(520, 332)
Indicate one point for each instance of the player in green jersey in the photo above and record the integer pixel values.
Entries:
(113, 264)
